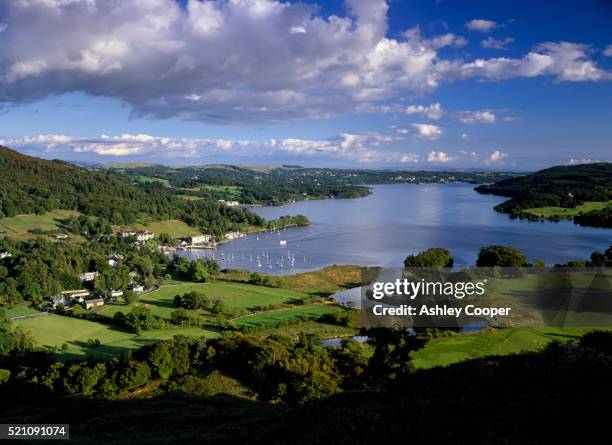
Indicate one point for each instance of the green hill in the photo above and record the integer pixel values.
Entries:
(548, 193)
(29, 185)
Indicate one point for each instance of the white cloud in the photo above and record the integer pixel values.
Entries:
(3, 27)
(608, 51)
(473, 117)
(480, 25)
(466, 137)
(582, 161)
(492, 43)
(496, 157)
(439, 156)
(243, 61)
(359, 147)
(565, 61)
(427, 131)
(433, 111)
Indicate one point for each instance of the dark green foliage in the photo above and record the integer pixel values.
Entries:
(13, 341)
(562, 186)
(198, 270)
(502, 256)
(434, 257)
(595, 218)
(32, 185)
(602, 259)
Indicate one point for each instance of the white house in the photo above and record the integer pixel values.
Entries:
(56, 300)
(138, 288)
(233, 235)
(197, 239)
(5, 255)
(61, 236)
(115, 293)
(78, 295)
(96, 302)
(229, 203)
(141, 235)
(89, 276)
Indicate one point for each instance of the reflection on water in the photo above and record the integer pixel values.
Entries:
(396, 221)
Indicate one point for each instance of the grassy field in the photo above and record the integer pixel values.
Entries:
(173, 227)
(548, 212)
(236, 296)
(20, 226)
(281, 316)
(55, 330)
(21, 310)
(444, 351)
(150, 179)
(228, 191)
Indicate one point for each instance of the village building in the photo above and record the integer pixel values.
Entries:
(57, 300)
(140, 235)
(61, 236)
(229, 203)
(137, 288)
(89, 276)
(233, 235)
(115, 293)
(96, 302)
(78, 295)
(4, 255)
(197, 239)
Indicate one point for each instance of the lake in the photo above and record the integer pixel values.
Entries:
(398, 220)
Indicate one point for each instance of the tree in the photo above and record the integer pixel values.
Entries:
(502, 256)
(434, 257)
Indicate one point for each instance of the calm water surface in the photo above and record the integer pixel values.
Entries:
(398, 220)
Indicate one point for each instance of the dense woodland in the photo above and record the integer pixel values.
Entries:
(562, 186)
(334, 395)
(276, 185)
(32, 185)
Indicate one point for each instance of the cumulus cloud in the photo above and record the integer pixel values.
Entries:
(492, 43)
(242, 60)
(565, 61)
(359, 147)
(480, 25)
(608, 51)
(474, 117)
(433, 111)
(496, 157)
(427, 131)
(439, 156)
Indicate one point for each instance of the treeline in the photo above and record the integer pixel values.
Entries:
(30, 185)
(562, 186)
(276, 368)
(176, 402)
(287, 221)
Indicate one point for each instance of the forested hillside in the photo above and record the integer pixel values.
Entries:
(278, 184)
(32, 185)
(565, 187)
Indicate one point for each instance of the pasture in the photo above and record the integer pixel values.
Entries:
(23, 227)
(551, 211)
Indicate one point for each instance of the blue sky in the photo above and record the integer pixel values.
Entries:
(364, 83)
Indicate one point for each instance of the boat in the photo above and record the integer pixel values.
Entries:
(283, 242)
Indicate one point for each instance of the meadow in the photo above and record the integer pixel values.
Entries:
(447, 350)
(551, 211)
(56, 330)
(21, 227)
(280, 317)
